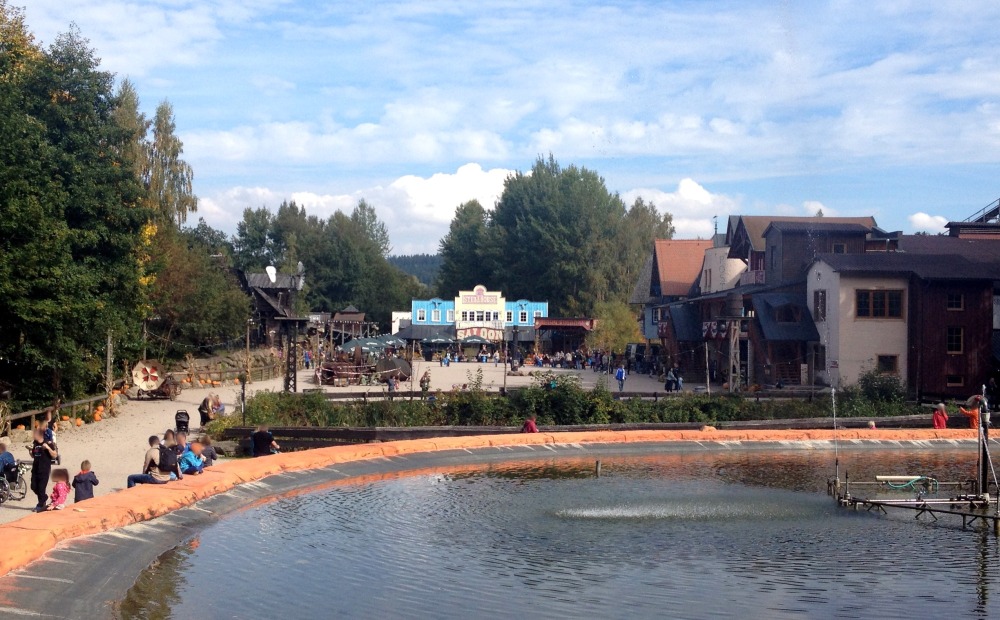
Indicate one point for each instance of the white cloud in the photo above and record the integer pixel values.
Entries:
(416, 210)
(691, 205)
(924, 222)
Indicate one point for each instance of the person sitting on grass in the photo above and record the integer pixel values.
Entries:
(190, 462)
(159, 465)
(84, 483)
(60, 489)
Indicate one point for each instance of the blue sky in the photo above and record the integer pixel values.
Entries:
(705, 108)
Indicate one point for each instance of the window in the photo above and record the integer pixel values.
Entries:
(888, 364)
(819, 305)
(708, 280)
(954, 380)
(496, 316)
(421, 316)
(450, 316)
(435, 316)
(876, 304)
(820, 360)
(522, 316)
(840, 248)
(956, 301)
(510, 316)
(465, 315)
(955, 340)
(537, 314)
(479, 316)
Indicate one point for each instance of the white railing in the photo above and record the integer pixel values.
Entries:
(752, 277)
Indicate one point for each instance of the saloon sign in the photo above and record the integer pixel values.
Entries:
(488, 333)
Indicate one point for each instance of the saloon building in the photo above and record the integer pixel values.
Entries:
(477, 312)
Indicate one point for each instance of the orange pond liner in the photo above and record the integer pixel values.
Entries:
(29, 538)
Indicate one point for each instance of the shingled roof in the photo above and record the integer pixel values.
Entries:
(678, 264)
(749, 230)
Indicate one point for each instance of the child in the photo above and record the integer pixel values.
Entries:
(190, 461)
(60, 490)
(208, 453)
(84, 483)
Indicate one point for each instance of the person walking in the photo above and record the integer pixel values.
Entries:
(620, 376)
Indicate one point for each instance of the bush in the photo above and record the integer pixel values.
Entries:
(560, 400)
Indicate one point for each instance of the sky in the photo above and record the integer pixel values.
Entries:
(706, 108)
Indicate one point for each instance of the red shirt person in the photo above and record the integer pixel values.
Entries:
(529, 426)
(940, 418)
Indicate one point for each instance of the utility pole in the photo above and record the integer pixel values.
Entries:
(249, 323)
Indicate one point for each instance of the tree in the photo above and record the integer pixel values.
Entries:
(461, 251)
(197, 304)
(367, 220)
(72, 216)
(253, 243)
(642, 225)
(167, 177)
(616, 327)
(551, 234)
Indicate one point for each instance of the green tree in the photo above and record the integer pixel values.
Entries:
(71, 216)
(253, 242)
(551, 233)
(462, 250)
(168, 178)
(368, 221)
(616, 327)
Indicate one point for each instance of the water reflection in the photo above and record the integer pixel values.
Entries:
(688, 535)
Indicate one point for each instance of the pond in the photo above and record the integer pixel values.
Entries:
(741, 534)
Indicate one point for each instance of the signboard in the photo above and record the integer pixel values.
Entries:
(480, 305)
(489, 333)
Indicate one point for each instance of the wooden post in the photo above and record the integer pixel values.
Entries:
(708, 372)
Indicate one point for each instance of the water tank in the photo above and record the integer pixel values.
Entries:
(734, 304)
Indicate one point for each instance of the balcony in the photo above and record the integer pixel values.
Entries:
(752, 277)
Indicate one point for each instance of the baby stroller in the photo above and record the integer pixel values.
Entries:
(181, 421)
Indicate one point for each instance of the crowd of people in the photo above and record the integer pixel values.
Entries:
(171, 457)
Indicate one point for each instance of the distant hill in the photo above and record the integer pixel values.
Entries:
(424, 267)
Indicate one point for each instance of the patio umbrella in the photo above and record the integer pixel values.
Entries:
(391, 341)
(437, 339)
(365, 344)
(474, 340)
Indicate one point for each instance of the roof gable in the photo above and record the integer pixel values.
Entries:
(677, 264)
(750, 229)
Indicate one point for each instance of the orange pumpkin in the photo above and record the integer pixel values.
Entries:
(79, 422)
(65, 418)
(19, 427)
(97, 416)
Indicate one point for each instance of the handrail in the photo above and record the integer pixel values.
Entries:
(74, 403)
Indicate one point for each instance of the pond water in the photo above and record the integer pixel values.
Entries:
(742, 535)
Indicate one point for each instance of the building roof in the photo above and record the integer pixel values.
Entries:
(923, 266)
(749, 229)
(640, 294)
(678, 264)
(766, 307)
(975, 250)
(684, 317)
(821, 226)
(262, 281)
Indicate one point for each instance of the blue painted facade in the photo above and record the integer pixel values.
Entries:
(434, 311)
(437, 311)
